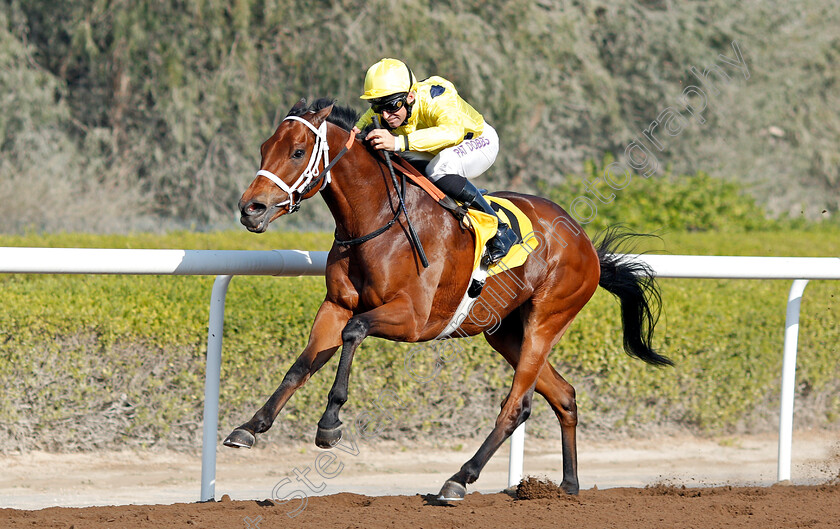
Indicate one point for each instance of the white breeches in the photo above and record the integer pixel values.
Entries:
(469, 158)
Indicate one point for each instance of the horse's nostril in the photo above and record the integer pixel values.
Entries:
(254, 208)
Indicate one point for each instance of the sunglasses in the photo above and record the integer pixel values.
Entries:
(390, 106)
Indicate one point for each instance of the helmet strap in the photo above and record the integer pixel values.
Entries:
(409, 109)
(409, 106)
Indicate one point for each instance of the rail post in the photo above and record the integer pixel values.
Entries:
(212, 379)
(797, 289)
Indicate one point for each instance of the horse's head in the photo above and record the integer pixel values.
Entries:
(289, 169)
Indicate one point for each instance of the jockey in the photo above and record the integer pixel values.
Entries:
(429, 123)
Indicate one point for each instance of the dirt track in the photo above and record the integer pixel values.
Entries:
(671, 507)
(658, 469)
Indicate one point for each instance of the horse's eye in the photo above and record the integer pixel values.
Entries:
(298, 153)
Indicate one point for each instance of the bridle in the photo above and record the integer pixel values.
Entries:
(311, 176)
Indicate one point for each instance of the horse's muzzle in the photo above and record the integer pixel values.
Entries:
(255, 216)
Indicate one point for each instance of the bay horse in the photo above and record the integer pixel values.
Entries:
(379, 287)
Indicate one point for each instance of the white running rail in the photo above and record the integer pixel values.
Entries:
(226, 263)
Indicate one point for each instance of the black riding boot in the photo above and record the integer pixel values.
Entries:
(461, 189)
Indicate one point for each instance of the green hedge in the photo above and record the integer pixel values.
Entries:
(667, 203)
(107, 361)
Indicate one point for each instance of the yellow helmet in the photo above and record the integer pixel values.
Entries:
(387, 77)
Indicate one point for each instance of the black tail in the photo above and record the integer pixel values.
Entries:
(633, 283)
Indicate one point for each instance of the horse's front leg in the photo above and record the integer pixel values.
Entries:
(324, 341)
(396, 320)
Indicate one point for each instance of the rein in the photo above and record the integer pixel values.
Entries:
(312, 177)
(371, 235)
(386, 227)
(412, 235)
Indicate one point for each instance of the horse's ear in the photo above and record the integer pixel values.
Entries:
(321, 115)
(296, 110)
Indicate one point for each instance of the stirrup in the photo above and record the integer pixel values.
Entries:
(499, 245)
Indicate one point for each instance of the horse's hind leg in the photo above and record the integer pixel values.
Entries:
(324, 341)
(561, 397)
(543, 332)
(553, 387)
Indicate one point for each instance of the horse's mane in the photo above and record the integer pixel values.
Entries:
(344, 117)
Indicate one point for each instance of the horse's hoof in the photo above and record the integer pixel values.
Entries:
(327, 438)
(452, 491)
(571, 489)
(240, 438)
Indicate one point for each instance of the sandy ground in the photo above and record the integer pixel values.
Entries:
(39, 480)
